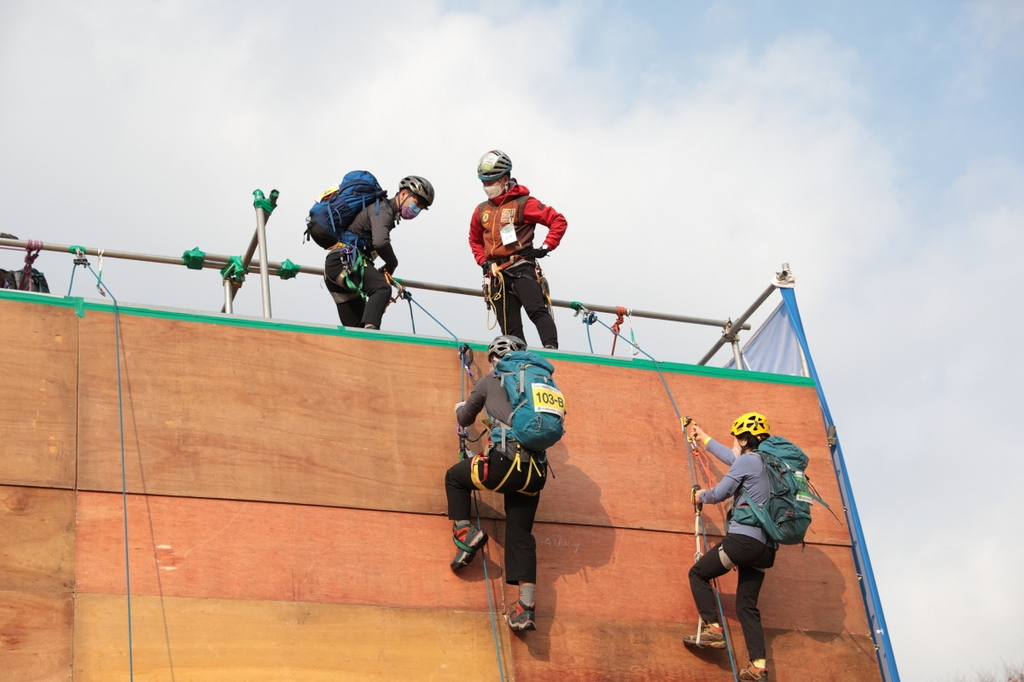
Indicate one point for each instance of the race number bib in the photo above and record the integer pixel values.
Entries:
(508, 234)
(547, 399)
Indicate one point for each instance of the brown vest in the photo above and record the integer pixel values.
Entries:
(493, 218)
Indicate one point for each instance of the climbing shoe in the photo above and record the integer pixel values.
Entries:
(752, 672)
(468, 540)
(521, 617)
(711, 637)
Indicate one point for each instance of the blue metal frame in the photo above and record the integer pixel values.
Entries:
(868, 588)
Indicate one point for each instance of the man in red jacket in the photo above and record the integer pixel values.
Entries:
(501, 237)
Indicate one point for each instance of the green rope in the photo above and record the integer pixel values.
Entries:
(75, 249)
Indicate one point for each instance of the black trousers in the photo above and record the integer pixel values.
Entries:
(520, 510)
(751, 557)
(353, 311)
(522, 290)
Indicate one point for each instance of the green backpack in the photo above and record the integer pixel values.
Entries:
(787, 514)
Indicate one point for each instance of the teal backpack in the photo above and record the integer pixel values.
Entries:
(538, 407)
(787, 514)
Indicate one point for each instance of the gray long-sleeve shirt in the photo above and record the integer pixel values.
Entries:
(376, 225)
(488, 394)
(746, 472)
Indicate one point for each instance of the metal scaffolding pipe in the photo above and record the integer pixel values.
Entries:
(557, 303)
(212, 261)
(730, 329)
(264, 274)
(217, 261)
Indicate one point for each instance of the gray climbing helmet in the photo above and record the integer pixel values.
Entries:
(419, 186)
(505, 344)
(493, 165)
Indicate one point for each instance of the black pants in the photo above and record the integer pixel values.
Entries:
(520, 510)
(353, 311)
(750, 558)
(522, 290)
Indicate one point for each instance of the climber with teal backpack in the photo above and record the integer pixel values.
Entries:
(353, 221)
(771, 506)
(526, 411)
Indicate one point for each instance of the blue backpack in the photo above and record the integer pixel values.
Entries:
(538, 407)
(787, 514)
(331, 216)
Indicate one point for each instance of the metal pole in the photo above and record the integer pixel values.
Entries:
(216, 261)
(728, 331)
(261, 233)
(465, 291)
(737, 357)
(246, 261)
(229, 294)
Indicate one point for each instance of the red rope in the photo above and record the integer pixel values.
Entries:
(702, 459)
(618, 325)
(32, 249)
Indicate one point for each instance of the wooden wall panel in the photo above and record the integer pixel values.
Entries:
(38, 384)
(586, 571)
(233, 412)
(37, 539)
(623, 460)
(182, 547)
(178, 640)
(594, 649)
(219, 411)
(35, 636)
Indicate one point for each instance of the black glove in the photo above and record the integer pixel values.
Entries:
(533, 253)
(486, 267)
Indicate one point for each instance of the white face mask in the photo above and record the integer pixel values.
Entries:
(737, 450)
(494, 190)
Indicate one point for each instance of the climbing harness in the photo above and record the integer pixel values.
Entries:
(589, 318)
(353, 262)
(494, 291)
(481, 467)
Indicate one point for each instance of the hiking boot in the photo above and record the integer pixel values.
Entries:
(752, 672)
(468, 540)
(711, 637)
(521, 617)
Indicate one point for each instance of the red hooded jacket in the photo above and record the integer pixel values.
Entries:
(517, 207)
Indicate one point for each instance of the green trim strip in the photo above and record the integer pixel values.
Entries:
(81, 306)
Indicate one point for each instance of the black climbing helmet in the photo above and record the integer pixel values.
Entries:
(505, 344)
(493, 165)
(419, 186)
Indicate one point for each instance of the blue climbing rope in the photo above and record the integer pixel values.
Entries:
(589, 318)
(465, 370)
(80, 260)
(407, 295)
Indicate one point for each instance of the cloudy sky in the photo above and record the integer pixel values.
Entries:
(877, 147)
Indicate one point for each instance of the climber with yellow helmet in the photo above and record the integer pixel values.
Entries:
(746, 548)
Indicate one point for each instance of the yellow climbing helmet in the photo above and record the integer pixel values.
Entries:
(753, 423)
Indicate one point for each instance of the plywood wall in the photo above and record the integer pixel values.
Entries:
(285, 515)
